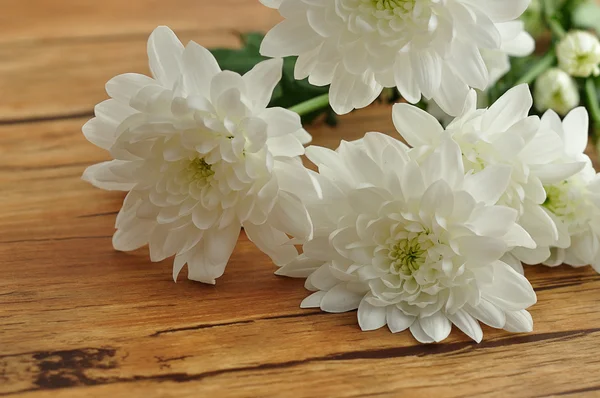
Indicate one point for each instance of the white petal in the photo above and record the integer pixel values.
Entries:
(576, 126)
(340, 299)
(223, 82)
(125, 86)
(489, 184)
(322, 278)
(514, 262)
(100, 175)
(199, 66)
(415, 125)
(518, 236)
(556, 172)
(290, 37)
(481, 249)
(313, 301)
(510, 290)
(272, 3)
(280, 121)
(300, 267)
(452, 94)
(178, 264)
(501, 11)
(396, 320)
(427, 71)
(403, 76)
(519, 322)
(467, 324)
(510, 108)
(419, 334)
(543, 148)
(371, 317)
(493, 221)
(471, 69)
(212, 254)
(285, 146)
(261, 81)
(133, 237)
(437, 326)
(487, 313)
(290, 216)
(271, 242)
(164, 53)
(531, 256)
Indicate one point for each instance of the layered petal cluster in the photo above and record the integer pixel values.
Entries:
(429, 48)
(574, 203)
(412, 245)
(555, 89)
(505, 135)
(579, 54)
(201, 156)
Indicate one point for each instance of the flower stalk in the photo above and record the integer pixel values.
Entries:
(593, 105)
(313, 104)
(554, 26)
(538, 68)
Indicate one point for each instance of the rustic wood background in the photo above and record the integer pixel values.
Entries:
(78, 319)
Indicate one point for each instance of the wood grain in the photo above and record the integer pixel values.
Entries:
(78, 319)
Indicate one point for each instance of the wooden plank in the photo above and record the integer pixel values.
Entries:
(43, 19)
(79, 319)
(56, 67)
(66, 78)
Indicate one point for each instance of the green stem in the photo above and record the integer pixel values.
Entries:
(554, 26)
(592, 99)
(311, 105)
(538, 68)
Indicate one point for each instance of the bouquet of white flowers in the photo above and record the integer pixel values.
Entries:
(418, 233)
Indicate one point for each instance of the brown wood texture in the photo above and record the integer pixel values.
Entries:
(78, 319)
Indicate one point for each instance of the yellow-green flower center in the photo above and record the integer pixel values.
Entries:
(397, 6)
(408, 255)
(199, 169)
(557, 199)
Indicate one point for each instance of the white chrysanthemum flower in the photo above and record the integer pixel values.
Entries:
(574, 203)
(412, 246)
(423, 47)
(505, 135)
(201, 156)
(556, 90)
(579, 54)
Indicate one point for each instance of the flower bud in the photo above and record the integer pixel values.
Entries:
(579, 54)
(555, 90)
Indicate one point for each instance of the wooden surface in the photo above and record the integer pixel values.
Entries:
(78, 319)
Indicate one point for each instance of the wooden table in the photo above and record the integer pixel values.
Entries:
(78, 319)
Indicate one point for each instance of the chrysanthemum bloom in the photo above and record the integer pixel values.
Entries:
(556, 90)
(574, 203)
(505, 135)
(423, 47)
(413, 245)
(579, 54)
(201, 156)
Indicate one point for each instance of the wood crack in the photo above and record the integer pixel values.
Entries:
(213, 325)
(56, 239)
(49, 118)
(104, 358)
